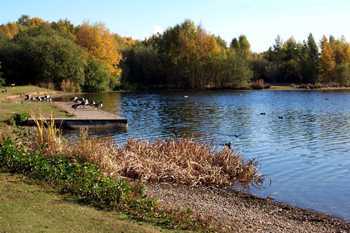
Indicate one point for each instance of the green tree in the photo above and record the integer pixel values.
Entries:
(234, 44)
(311, 60)
(343, 74)
(96, 76)
(44, 58)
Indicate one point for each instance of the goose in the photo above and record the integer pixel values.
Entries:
(75, 106)
(99, 105)
(228, 145)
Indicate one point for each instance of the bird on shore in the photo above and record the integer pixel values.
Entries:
(99, 105)
(75, 98)
(75, 106)
(228, 145)
(86, 102)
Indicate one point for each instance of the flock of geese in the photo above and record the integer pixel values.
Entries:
(84, 102)
(78, 101)
(44, 98)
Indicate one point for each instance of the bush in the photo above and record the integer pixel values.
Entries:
(19, 118)
(83, 180)
(87, 183)
(2, 81)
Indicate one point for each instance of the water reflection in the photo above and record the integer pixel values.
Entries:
(302, 141)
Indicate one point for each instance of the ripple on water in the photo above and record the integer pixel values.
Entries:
(302, 141)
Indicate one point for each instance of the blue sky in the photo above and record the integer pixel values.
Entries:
(260, 20)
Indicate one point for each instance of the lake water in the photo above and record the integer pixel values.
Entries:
(301, 139)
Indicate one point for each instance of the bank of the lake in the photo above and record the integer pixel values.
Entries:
(235, 211)
(240, 212)
(26, 206)
(297, 137)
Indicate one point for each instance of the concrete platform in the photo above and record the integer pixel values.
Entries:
(77, 123)
(85, 117)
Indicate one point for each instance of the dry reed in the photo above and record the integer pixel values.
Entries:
(48, 136)
(181, 161)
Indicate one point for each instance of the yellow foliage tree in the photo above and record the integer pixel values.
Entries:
(327, 61)
(9, 30)
(100, 44)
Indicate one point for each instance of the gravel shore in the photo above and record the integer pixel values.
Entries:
(239, 212)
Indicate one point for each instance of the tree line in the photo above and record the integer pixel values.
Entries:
(88, 57)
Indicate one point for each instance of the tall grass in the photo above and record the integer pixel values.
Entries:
(48, 136)
(181, 161)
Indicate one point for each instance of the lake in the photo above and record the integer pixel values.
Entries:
(301, 139)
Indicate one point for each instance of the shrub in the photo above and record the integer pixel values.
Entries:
(84, 180)
(19, 118)
(2, 81)
(87, 183)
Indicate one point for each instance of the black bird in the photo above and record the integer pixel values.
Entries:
(99, 104)
(262, 113)
(228, 145)
(75, 106)
(280, 117)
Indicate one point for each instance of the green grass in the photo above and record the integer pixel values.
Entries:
(282, 87)
(7, 109)
(12, 102)
(28, 207)
(27, 89)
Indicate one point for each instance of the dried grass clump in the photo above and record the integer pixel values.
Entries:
(181, 161)
(186, 162)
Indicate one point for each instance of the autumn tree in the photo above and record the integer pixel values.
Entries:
(65, 28)
(327, 61)
(9, 30)
(101, 45)
(27, 21)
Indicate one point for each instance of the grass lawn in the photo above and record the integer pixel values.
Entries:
(27, 89)
(27, 207)
(12, 102)
(282, 87)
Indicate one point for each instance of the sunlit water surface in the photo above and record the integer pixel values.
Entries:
(301, 139)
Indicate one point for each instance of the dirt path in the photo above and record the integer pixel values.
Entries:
(237, 212)
(85, 112)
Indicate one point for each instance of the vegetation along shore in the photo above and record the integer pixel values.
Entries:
(89, 57)
(175, 185)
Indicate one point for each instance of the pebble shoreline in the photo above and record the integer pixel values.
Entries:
(240, 212)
